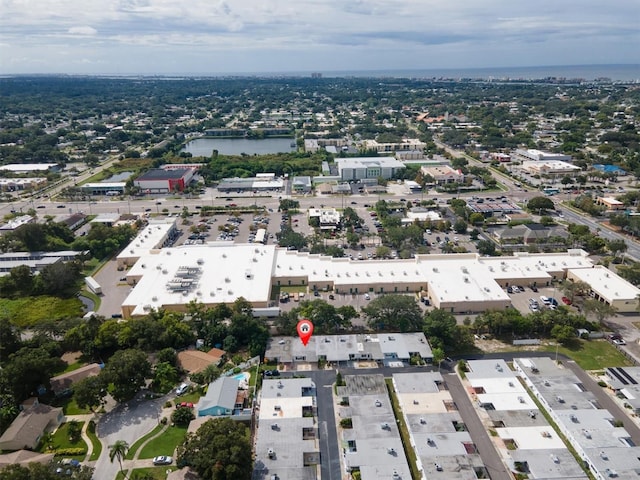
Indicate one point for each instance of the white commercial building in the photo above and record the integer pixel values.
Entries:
(539, 155)
(407, 144)
(443, 174)
(28, 167)
(228, 271)
(359, 168)
(608, 287)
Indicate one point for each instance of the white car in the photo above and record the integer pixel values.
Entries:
(181, 390)
(545, 300)
(162, 460)
(367, 296)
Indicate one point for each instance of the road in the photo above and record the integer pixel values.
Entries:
(128, 421)
(329, 451)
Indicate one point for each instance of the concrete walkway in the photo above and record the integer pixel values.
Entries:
(86, 419)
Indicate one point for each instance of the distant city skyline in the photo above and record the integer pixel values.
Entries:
(148, 37)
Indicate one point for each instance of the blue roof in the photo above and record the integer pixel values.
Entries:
(608, 168)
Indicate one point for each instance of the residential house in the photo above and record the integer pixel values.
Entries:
(194, 361)
(62, 383)
(28, 427)
(221, 398)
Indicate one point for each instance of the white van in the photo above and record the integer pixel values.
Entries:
(182, 389)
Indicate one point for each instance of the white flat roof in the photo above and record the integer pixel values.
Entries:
(225, 273)
(367, 162)
(533, 438)
(225, 265)
(148, 238)
(27, 167)
(606, 283)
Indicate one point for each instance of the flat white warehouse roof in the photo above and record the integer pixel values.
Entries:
(228, 271)
(218, 274)
(148, 238)
(606, 283)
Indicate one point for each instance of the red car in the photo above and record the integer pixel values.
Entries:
(566, 301)
(186, 405)
(233, 204)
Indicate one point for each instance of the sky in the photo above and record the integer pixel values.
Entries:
(124, 37)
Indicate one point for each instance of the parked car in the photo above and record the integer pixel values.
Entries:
(367, 296)
(331, 296)
(534, 307)
(533, 288)
(182, 389)
(545, 300)
(619, 341)
(566, 301)
(162, 460)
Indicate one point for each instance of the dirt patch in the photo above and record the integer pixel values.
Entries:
(71, 357)
(493, 346)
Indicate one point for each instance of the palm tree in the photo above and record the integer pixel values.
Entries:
(119, 450)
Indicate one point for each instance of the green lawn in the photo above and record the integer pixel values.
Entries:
(72, 366)
(136, 445)
(164, 444)
(97, 445)
(592, 354)
(192, 397)
(27, 311)
(157, 473)
(61, 440)
(70, 407)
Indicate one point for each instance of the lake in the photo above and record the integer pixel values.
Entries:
(203, 147)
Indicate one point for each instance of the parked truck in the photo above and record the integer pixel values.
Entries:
(92, 285)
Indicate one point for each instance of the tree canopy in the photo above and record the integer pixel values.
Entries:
(219, 450)
(396, 313)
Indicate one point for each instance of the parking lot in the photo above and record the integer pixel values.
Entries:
(521, 300)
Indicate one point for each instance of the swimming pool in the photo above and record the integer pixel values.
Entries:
(244, 376)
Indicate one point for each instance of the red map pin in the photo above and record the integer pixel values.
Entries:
(305, 330)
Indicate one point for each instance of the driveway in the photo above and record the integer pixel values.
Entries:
(128, 422)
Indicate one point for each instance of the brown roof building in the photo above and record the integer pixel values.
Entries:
(24, 457)
(63, 382)
(194, 361)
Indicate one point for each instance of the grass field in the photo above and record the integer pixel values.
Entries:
(70, 407)
(61, 440)
(592, 354)
(164, 444)
(97, 445)
(27, 311)
(157, 473)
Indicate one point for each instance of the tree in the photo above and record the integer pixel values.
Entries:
(29, 368)
(599, 309)
(165, 376)
(487, 248)
(182, 416)
(440, 328)
(395, 313)
(563, 333)
(119, 450)
(539, 204)
(127, 370)
(460, 227)
(219, 450)
(90, 392)
(438, 356)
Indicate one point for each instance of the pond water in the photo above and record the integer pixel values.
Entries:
(118, 177)
(203, 147)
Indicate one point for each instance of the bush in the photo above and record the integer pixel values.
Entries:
(70, 452)
(602, 384)
(346, 423)
(163, 420)
(168, 404)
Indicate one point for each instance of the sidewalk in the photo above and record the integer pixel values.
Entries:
(86, 418)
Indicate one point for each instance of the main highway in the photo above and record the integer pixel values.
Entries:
(53, 204)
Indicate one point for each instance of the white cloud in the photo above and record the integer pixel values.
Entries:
(248, 35)
(84, 30)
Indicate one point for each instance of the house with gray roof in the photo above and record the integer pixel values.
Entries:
(28, 427)
(221, 398)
